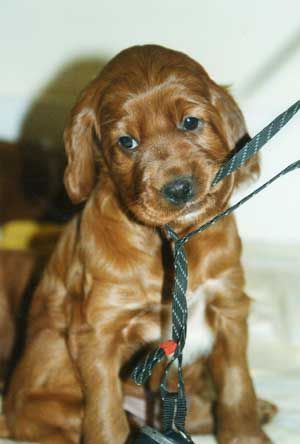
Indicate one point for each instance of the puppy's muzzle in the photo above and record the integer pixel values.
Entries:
(179, 191)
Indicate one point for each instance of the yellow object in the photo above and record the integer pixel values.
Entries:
(29, 235)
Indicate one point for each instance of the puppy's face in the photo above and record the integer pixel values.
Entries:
(163, 149)
(164, 129)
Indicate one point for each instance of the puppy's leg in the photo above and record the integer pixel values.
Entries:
(200, 418)
(44, 402)
(102, 339)
(99, 363)
(201, 401)
(236, 409)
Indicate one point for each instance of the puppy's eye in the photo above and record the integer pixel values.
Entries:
(191, 123)
(127, 142)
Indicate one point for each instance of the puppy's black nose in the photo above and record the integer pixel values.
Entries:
(179, 191)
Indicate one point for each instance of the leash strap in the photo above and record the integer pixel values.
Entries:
(288, 169)
(174, 403)
(255, 144)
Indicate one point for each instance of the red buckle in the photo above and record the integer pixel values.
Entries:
(168, 346)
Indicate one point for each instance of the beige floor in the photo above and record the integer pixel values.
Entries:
(273, 274)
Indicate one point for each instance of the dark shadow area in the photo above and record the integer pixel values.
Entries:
(46, 118)
(31, 169)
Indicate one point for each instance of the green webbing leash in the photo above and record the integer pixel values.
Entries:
(255, 144)
(174, 403)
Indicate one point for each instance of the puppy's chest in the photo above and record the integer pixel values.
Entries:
(200, 335)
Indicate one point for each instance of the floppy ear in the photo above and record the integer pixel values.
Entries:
(79, 139)
(235, 131)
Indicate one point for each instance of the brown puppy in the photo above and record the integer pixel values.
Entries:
(144, 143)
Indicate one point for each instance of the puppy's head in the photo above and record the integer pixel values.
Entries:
(160, 129)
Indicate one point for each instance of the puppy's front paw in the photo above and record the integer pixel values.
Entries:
(265, 410)
(257, 438)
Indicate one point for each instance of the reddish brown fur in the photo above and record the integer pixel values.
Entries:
(15, 270)
(100, 299)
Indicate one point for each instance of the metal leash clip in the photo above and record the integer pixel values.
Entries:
(148, 435)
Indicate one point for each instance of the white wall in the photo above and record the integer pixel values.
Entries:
(49, 50)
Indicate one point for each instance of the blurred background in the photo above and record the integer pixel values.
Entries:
(51, 50)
